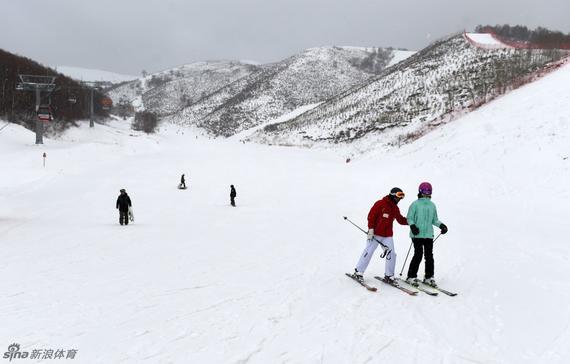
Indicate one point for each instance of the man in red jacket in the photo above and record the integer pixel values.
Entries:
(380, 220)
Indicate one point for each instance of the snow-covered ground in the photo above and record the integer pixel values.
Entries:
(195, 280)
(486, 40)
(400, 55)
(288, 116)
(87, 74)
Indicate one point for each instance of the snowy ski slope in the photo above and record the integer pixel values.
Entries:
(195, 280)
(86, 74)
(486, 40)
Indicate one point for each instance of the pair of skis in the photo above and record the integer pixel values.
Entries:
(424, 287)
(401, 285)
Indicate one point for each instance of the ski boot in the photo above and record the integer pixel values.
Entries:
(413, 281)
(358, 276)
(430, 282)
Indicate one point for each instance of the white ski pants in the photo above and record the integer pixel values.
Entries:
(371, 246)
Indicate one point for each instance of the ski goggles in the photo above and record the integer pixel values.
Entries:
(400, 195)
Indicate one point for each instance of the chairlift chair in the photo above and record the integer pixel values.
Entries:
(106, 103)
(45, 113)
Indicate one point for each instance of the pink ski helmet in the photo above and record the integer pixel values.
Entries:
(425, 188)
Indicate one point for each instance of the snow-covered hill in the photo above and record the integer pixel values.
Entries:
(405, 101)
(86, 74)
(191, 83)
(171, 90)
(195, 280)
(310, 77)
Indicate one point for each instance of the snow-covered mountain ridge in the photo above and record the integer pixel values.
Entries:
(405, 100)
(191, 83)
(310, 77)
(171, 90)
(87, 74)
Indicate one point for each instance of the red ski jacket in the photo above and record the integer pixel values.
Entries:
(381, 217)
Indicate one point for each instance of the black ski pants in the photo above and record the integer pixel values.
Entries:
(232, 200)
(124, 217)
(422, 247)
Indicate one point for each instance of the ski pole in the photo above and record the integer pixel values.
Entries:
(405, 260)
(438, 235)
(386, 250)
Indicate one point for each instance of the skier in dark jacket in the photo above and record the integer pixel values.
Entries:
(123, 204)
(182, 184)
(233, 195)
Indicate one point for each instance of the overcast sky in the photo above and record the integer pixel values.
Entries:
(127, 36)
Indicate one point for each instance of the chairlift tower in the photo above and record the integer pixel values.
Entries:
(37, 84)
(91, 85)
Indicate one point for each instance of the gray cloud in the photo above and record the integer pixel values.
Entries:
(131, 35)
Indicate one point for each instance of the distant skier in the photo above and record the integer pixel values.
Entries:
(422, 216)
(233, 195)
(380, 221)
(123, 205)
(182, 184)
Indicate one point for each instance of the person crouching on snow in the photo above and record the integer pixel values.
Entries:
(123, 204)
(380, 222)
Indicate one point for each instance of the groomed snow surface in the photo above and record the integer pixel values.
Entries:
(486, 40)
(194, 280)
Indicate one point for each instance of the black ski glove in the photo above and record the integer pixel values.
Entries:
(443, 228)
(415, 229)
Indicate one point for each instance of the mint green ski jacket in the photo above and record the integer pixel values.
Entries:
(423, 214)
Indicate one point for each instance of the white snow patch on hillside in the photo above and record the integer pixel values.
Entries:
(195, 280)
(487, 40)
(288, 116)
(250, 61)
(86, 74)
(399, 56)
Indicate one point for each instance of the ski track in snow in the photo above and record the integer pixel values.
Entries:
(194, 280)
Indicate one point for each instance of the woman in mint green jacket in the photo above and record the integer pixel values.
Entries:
(422, 217)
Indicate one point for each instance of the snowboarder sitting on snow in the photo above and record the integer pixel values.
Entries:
(123, 203)
(380, 221)
(422, 216)
(233, 195)
(182, 184)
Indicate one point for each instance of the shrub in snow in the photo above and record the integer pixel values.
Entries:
(145, 121)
